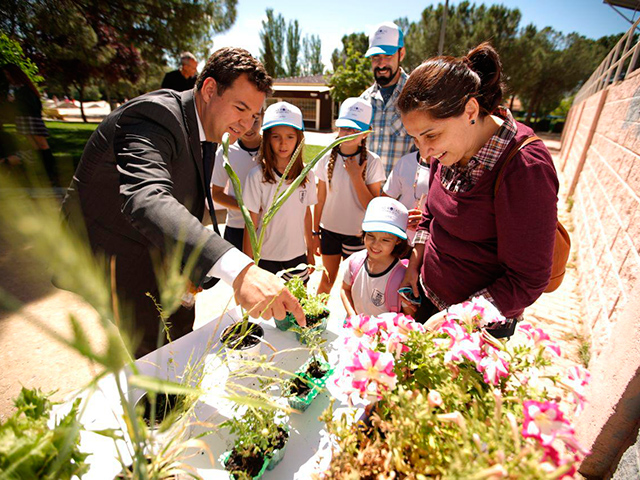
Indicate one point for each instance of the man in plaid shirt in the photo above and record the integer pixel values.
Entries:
(389, 139)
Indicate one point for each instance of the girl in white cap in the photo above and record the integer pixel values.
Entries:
(349, 177)
(288, 234)
(373, 277)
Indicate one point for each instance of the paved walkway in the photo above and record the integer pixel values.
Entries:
(31, 358)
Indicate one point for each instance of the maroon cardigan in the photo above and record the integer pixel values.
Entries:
(503, 244)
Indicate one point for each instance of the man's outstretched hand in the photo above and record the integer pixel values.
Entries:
(262, 294)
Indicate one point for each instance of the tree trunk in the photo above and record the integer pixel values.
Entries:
(81, 95)
(110, 101)
(531, 108)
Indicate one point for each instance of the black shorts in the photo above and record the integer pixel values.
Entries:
(332, 243)
(234, 236)
(275, 266)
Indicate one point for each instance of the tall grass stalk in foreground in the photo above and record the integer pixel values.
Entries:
(36, 223)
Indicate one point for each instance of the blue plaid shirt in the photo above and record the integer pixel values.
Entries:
(389, 139)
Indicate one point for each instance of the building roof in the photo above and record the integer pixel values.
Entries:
(315, 80)
(632, 4)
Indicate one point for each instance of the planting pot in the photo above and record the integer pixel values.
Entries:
(241, 349)
(286, 323)
(301, 402)
(319, 382)
(278, 454)
(225, 458)
(171, 422)
(318, 324)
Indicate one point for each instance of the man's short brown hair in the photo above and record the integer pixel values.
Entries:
(227, 64)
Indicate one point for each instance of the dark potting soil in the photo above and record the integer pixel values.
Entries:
(316, 370)
(281, 439)
(246, 462)
(313, 320)
(232, 337)
(299, 387)
(165, 404)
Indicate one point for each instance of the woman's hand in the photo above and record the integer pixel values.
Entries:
(411, 279)
(415, 215)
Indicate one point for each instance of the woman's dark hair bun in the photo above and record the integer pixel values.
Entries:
(442, 86)
(485, 61)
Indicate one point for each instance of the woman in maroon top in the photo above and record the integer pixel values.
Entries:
(471, 242)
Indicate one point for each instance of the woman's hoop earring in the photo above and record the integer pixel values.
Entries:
(473, 122)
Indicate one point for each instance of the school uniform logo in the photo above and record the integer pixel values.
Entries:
(377, 297)
(302, 194)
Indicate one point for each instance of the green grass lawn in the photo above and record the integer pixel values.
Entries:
(67, 141)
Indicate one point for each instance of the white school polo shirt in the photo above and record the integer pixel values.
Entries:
(408, 181)
(284, 238)
(342, 212)
(242, 161)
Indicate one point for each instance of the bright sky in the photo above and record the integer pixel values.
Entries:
(331, 19)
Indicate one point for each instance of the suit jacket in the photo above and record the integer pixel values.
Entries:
(140, 184)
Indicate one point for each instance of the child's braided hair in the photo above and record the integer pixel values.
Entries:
(334, 155)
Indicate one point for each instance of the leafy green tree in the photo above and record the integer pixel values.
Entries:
(11, 52)
(312, 55)
(352, 78)
(293, 49)
(77, 43)
(272, 36)
(171, 26)
(359, 42)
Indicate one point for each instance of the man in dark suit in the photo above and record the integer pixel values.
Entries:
(185, 77)
(141, 185)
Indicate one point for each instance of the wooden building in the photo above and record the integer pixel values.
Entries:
(311, 95)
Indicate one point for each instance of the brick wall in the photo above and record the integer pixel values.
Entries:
(600, 157)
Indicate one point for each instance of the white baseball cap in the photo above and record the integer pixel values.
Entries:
(385, 40)
(355, 113)
(282, 113)
(385, 214)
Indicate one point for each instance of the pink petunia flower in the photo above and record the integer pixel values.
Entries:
(372, 372)
(395, 345)
(544, 421)
(462, 344)
(362, 325)
(405, 324)
(492, 365)
(577, 380)
(477, 312)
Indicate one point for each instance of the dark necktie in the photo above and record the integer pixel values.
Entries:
(208, 157)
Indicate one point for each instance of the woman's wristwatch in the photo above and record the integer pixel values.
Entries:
(314, 233)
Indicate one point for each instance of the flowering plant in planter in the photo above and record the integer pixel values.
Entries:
(453, 402)
(261, 437)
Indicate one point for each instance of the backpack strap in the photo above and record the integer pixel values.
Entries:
(519, 146)
(355, 264)
(391, 295)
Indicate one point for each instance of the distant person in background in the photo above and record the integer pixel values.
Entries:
(29, 121)
(185, 77)
(389, 139)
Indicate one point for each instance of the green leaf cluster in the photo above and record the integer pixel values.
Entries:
(257, 430)
(30, 449)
